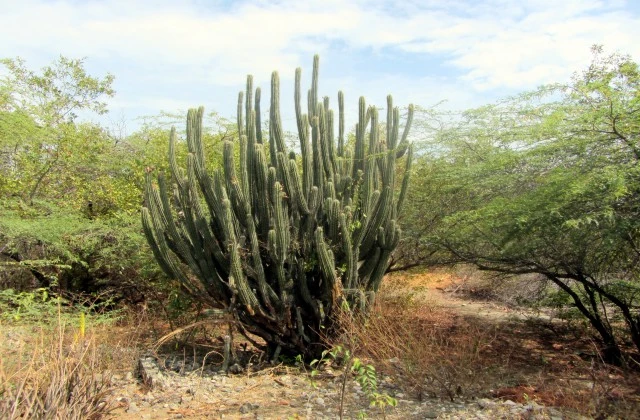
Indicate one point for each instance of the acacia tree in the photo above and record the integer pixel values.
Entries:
(548, 183)
(38, 111)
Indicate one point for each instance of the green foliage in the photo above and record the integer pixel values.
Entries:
(45, 307)
(279, 238)
(547, 182)
(66, 250)
(38, 134)
(70, 192)
(55, 95)
(365, 376)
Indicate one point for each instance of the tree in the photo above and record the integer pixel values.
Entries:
(37, 120)
(548, 183)
(288, 238)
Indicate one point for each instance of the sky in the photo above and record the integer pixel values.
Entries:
(170, 55)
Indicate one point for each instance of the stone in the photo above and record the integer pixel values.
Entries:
(246, 408)
(150, 373)
(430, 414)
(133, 408)
(485, 403)
(555, 414)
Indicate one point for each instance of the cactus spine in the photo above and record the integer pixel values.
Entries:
(288, 233)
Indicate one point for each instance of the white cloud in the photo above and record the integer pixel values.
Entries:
(488, 46)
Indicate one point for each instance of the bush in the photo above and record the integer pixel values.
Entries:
(50, 246)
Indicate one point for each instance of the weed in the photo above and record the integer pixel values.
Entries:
(44, 307)
(365, 376)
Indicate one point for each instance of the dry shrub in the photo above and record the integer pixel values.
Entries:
(438, 352)
(58, 372)
(432, 350)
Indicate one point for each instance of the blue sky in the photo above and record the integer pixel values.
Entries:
(172, 55)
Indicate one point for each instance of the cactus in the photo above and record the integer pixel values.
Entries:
(289, 234)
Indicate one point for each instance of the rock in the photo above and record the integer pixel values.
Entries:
(246, 408)
(430, 414)
(485, 403)
(133, 408)
(555, 414)
(150, 373)
(235, 369)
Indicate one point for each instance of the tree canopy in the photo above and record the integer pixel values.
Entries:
(547, 183)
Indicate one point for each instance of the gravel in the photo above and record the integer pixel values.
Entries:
(184, 389)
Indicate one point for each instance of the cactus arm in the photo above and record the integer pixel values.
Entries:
(327, 264)
(404, 142)
(286, 238)
(240, 118)
(275, 122)
(258, 118)
(340, 124)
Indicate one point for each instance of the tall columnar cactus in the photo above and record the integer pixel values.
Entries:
(289, 234)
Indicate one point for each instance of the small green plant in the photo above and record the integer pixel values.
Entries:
(44, 306)
(28, 306)
(365, 376)
(368, 380)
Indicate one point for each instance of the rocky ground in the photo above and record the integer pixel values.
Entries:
(189, 386)
(171, 389)
(545, 372)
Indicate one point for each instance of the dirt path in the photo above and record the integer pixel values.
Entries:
(445, 290)
(483, 309)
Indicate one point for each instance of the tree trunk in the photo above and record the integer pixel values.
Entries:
(610, 350)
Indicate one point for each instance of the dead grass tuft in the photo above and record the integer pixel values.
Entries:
(61, 371)
(433, 351)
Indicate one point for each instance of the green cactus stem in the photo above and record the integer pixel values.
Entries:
(279, 238)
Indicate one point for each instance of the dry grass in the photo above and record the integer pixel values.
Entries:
(56, 371)
(433, 351)
(61, 371)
